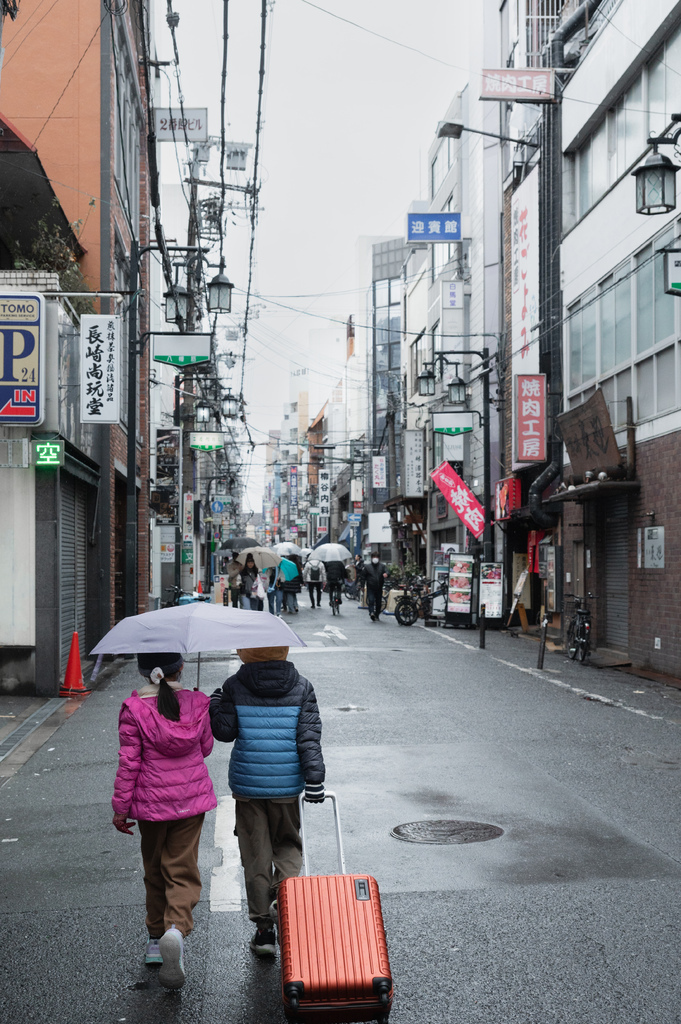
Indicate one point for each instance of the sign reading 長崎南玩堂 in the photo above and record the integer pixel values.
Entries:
(433, 227)
(182, 349)
(463, 501)
(22, 358)
(188, 125)
(100, 400)
(518, 85)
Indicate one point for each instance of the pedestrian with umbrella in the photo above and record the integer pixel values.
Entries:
(233, 588)
(163, 784)
(250, 580)
(292, 567)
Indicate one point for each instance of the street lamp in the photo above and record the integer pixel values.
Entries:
(202, 411)
(656, 178)
(453, 130)
(426, 382)
(230, 406)
(220, 294)
(456, 391)
(177, 304)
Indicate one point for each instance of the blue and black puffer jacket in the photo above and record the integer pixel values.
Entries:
(271, 713)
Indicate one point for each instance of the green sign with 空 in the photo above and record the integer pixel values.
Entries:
(48, 454)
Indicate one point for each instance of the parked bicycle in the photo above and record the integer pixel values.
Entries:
(578, 639)
(180, 596)
(418, 603)
(351, 590)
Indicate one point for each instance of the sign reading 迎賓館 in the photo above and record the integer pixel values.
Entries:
(100, 376)
(433, 227)
(22, 358)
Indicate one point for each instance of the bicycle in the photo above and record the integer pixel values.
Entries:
(578, 637)
(419, 602)
(335, 596)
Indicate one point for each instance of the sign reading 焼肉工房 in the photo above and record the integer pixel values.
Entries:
(530, 417)
(518, 85)
(22, 358)
(100, 375)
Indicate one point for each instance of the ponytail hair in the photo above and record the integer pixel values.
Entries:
(167, 703)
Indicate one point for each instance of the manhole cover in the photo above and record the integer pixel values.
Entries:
(442, 832)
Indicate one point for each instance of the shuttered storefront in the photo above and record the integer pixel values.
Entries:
(617, 573)
(73, 564)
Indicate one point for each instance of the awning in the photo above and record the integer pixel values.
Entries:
(345, 534)
(26, 194)
(597, 490)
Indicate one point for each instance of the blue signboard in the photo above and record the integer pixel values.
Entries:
(22, 357)
(433, 227)
(217, 506)
(354, 517)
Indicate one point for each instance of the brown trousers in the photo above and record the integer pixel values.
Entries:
(170, 853)
(271, 850)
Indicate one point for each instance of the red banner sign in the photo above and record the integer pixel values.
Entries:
(507, 497)
(530, 412)
(463, 501)
(523, 85)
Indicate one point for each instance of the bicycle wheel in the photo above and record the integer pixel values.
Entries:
(406, 612)
(384, 602)
(571, 642)
(582, 645)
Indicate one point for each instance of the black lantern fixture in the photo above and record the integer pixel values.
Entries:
(456, 391)
(202, 411)
(220, 294)
(230, 406)
(177, 304)
(656, 184)
(426, 382)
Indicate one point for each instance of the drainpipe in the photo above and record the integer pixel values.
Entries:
(573, 24)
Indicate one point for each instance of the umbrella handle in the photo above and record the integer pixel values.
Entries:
(198, 672)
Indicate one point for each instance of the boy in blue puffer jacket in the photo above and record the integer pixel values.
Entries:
(271, 713)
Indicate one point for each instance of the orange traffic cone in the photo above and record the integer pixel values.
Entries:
(73, 685)
(199, 588)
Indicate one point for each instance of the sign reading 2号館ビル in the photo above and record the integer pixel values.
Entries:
(22, 358)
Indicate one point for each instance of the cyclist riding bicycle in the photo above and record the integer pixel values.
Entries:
(336, 573)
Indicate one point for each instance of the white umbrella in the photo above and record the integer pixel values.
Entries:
(287, 547)
(304, 552)
(332, 553)
(264, 558)
(196, 627)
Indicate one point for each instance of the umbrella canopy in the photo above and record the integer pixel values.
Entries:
(287, 547)
(289, 569)
(197, 627)
(333, 553)
(237, 544)
(264, 558)
(304, 552)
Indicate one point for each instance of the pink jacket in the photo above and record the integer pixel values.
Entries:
(161, 772)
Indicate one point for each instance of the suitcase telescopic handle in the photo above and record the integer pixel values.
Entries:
(329, 795)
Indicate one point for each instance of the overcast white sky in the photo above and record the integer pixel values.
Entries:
(348, 120)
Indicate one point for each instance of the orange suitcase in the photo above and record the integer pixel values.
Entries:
(334, 957)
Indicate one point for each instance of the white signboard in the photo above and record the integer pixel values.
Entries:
(654, 547)
(379, 471)
(324, 492)
(100, 375)
(522, 85)
(414, 472)
(182, 349)
(379, 528)
(491, 588)
(452, 294)
(176, 125)
(206, 440)
(452, 447)
(452, 423)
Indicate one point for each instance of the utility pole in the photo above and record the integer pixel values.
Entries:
(190, 573)
(392, 474)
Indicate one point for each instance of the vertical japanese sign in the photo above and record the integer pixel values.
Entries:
(530, 417)
(463, 501)
(22, 358)
(165, 497)
(100, 369)
(324, 492)
(413, 464)
(293, 488)
(525, 275)
(378, 468)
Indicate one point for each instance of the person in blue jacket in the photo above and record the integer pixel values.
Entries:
(270, 712)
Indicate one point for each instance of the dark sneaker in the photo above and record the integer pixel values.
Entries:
(263, 942)
(171, 946)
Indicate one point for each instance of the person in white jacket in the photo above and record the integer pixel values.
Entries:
(314, 574)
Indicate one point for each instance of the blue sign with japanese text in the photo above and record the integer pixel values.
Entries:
(433, 227)
(22, 356)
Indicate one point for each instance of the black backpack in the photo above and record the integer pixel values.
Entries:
(315, 574)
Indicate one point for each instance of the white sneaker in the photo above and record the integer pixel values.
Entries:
(171, 947)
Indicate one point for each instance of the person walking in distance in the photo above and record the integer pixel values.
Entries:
(375, 573)
(270, 712)
(162, 782)
(233, 588)
(336, 573)
(314, 574)
(292, 587)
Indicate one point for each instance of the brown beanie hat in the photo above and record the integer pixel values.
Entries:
(250, 654)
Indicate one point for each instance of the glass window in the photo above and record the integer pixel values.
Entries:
(381, 293)
(656, 98)
(607, 318)
(395, 291)
(672, 55)
(612, 146)
(666, 378)
(575, 346)
(395, 327)
(608, 389)
(645, 389)
(395, 356)
(589, 306)
(664, 304)
(621, 133)
(599, 162)
(623, 391)
(584, 179)
(622, 317)
(644, 299)
(635, 131)
(382, 357)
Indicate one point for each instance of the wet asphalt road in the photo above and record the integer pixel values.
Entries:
(573, 915)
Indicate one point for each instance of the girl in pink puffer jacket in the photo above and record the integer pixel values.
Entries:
(163, 783)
